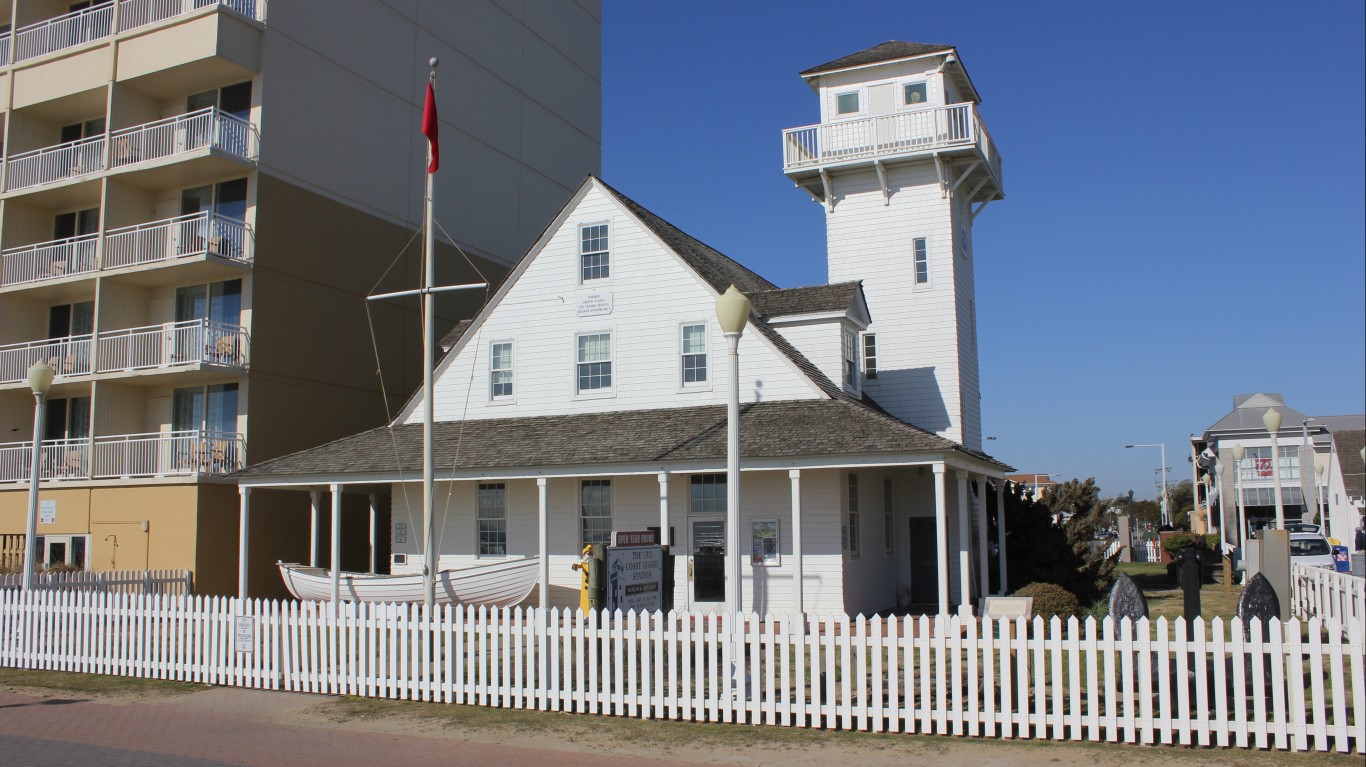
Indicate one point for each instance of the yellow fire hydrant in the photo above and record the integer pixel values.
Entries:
(582, 566)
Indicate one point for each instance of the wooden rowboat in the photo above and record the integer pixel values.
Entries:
(500, 584)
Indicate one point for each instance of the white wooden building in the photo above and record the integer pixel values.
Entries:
(594, 381)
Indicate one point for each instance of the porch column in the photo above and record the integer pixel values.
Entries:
(542, 543)
(983, 570)
(315, 503)
(664, 508)
(373, 514)
(798, 576)
(964, 559)
(336, 545)
(1001, 531)
(941, 535)
(244, 523)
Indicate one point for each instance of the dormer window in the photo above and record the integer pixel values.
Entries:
(847, 103)
(916, 94)
(849, 348)
(594, 257)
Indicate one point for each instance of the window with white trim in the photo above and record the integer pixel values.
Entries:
(888, 526)
(491, 511)
(707, 494)
(694, 353)
(594, 362)
(922, 261)
(870, 356)
(916, 94)
(595, 511)
(853, 543)
(594, 257)
(847, 103)
(500, 370)
(849, 348)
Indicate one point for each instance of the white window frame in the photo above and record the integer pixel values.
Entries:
(717, 504)
(44, 539)
(835, 104)
(915, 105)
(683, 356)
(607, 253)
(480, 519)
(920, 256)
(511, 370)
(606, 537)
(869, 350)
(852, 510)
(605, 391)
(849, 359)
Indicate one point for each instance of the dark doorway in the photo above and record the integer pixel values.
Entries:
(709, 560)
(924, 562)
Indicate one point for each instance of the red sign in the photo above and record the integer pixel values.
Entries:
(635, 538)
(1261, 467)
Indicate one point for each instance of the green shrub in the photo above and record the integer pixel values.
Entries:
(1051, 599)
(1179, 542)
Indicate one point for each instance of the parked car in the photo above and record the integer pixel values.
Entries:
(1303, 527)
(1311, 550)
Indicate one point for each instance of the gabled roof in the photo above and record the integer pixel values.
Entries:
(806, 300)
(782, 429)
(1247, 414)
(888, 51)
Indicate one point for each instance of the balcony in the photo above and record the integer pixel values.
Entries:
(49, 260)
(127, 456)
(958, 128)
(66, 356)
(98, 22)
(206, 131)
(188, 344)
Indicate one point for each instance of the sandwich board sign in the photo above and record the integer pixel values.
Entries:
(635, 571)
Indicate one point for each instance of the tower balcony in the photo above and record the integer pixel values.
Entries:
(126, 456)
(193, 238)
(146, 149)
(948, 132)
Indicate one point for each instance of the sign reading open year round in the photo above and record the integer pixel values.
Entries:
(635, 572)
(594, 303)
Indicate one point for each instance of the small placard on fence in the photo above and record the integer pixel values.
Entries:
(244, 633)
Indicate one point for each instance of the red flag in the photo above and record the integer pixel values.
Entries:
(429, 130)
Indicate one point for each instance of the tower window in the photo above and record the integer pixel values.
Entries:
(917, 94)
(850, 360)
(922, 261)
(593, 253)
(847, 103)
(870, 356)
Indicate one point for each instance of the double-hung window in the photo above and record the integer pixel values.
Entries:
(491, 508)
(500, 370)
(849, 348)
(595, 362)
(853, 527)
(694, 347)
(594, 257)
(870, 356)
(922, 261)
(595, 511)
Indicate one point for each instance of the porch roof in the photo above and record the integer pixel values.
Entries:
(787, 429)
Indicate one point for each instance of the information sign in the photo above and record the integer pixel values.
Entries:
(635, 572)
(47, 512)
(593, 304)
(244, 633)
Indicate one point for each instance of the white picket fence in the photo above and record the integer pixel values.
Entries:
(1295, 686)
(1143, 551)
(180, 582)
(1319, 593)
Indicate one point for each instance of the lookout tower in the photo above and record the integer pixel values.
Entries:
(903, 164)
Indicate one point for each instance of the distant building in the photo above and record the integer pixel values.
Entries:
(1033, 485)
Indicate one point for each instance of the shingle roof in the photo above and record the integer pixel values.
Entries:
(888, 51)
(1247, 414)
(1349, 444)
(805, 300)
(449, 340)
(767, 430)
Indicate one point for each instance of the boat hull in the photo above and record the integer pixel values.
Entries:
(500, 584)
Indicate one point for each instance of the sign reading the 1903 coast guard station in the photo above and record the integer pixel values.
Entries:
(635, 572)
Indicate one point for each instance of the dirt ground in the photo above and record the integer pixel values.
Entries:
(673, 741)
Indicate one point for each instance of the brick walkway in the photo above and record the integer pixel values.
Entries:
(228, 726)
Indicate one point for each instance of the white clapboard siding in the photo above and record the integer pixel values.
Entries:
(1294, 686)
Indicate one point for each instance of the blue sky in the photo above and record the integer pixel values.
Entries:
(1183, 218)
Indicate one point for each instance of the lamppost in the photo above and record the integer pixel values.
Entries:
(1271, 419)
(1162, 445)
(39, 380)
(732, 312)
(1320, 490)
(1238, 452)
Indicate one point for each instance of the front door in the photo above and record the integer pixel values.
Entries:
(708, 564)
(924, 562)
(881, 105)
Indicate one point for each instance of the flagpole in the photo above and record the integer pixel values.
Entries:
(429, 556)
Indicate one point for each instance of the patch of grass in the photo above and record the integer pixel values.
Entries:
(1165, 598)
(92, 684)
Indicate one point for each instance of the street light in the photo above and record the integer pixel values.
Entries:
(1238, 452)
(1319, 490)
(1162, 445)
(1271, 419)
(39, 380)
(732, 312)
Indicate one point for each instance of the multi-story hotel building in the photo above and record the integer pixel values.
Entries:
(197, 195)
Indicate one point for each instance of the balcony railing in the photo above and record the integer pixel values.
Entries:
(140, 143)
(97, 22)
(66, 356)
(120, 456)
(56, 163)
(196, 234)
(913, 132)
(49, 260)
(64, 31)
(173, 344)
